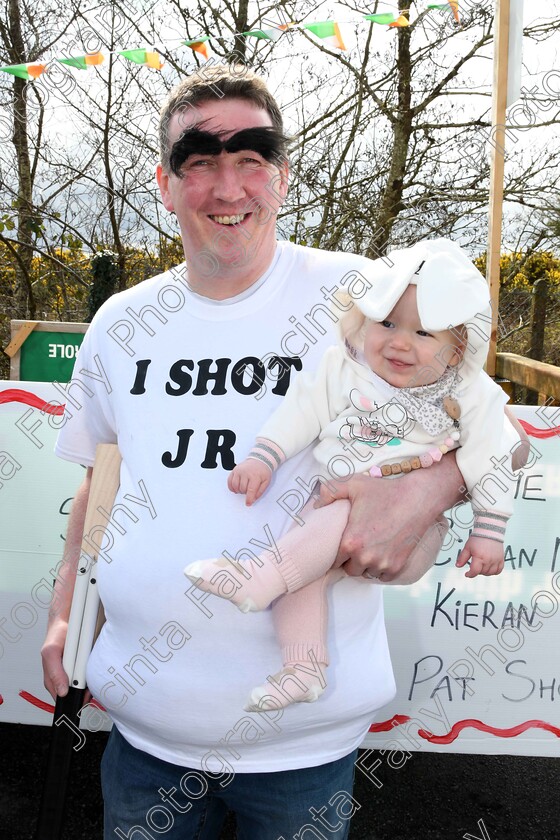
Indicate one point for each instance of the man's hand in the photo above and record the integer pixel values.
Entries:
(487, 557)
(54, 675)
(251, 477)
(389, 516)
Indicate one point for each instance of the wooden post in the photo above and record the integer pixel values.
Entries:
(498, 141)
(24, 331)
(538, 318)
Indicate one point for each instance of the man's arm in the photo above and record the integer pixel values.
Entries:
(389, 516)
(54, 676)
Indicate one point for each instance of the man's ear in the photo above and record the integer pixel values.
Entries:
(277, 188)
(162, 178)
(285, 176)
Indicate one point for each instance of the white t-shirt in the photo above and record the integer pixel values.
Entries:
(183, 385)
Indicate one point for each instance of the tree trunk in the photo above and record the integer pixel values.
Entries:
(108, 164)
(24, 305)
(241, 25)
(391, 201)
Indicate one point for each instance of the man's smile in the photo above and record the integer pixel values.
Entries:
(230, 220)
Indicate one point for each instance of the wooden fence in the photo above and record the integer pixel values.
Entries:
(541, 380)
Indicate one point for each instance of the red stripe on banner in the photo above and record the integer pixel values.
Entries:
(41, 704)
(26, 397)
(48, 707)
(492, 730)
(532, 431)
(387, 725)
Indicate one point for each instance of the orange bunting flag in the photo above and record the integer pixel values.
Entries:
(92, 59)
(199, 45)
(454, 8)
(400, 21)
(35, 70)
(153, 59)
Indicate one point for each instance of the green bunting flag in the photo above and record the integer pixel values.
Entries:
(382, 17)
(79, 63)
(264, 34)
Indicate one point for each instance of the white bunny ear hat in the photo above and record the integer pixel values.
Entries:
(450, 292)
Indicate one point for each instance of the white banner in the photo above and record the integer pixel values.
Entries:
(36, 491)
(515, 51)
(475, 660)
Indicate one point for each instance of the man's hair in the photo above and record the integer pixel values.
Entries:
(213, 84)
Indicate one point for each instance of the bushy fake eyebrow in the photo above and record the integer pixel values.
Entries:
(266, 141)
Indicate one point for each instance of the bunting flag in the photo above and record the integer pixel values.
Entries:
(382, 17)
(25, 71)
(147, 57)
(199, 45)
(264, 34)
(450, 5)
(400, 21)
(328, 31)
(82, 62)
(455, 9)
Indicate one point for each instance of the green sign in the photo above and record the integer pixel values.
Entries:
(49, 356)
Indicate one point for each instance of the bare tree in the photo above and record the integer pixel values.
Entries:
(389, 137)
(26, 34)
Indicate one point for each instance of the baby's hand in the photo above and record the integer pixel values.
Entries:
(487, 557)
(250, 477)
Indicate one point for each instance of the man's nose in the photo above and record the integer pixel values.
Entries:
(229, 183)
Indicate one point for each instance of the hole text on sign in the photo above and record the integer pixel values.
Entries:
(63, 351)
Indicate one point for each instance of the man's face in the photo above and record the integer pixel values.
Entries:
(225, 203)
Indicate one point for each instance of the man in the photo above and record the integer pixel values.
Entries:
(181, 371)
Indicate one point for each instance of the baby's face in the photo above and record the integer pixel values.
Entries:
(402, 353)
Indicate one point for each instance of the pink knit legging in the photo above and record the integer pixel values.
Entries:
(300, 617)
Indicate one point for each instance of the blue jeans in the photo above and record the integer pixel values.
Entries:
(147, 799)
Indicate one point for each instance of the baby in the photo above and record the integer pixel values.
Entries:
(404, 386)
